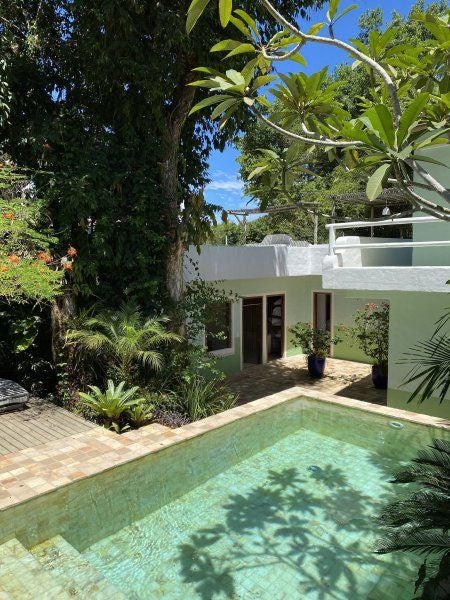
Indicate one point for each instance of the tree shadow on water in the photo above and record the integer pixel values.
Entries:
(299, 533)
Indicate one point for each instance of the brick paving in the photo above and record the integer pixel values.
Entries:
(342, 378)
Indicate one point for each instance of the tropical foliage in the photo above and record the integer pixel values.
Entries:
(199, 398)
(371, 333)
(313, 342)
(431, 363)
(111, 405)
(124, 341)
(420, 522)
(28, 272)
(402, 115)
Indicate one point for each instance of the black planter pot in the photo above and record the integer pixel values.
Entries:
(316, 366)
(379, 378)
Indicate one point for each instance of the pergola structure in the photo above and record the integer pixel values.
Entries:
(392, 198)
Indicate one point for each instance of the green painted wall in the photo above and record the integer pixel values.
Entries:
(412, 319)
(298, 294)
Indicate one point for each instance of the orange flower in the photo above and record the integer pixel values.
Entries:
(3, 268)
(46, 146)
(14, 259)
(44, 256)
(72, 251)
(8, 215)
(68, 266)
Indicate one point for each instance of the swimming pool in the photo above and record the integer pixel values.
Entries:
(277, 505)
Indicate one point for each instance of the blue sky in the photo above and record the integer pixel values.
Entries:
(225, 188)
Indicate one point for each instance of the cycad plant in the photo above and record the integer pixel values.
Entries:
(420, 522)
(124, 340)
(111, 404)
(431, 363)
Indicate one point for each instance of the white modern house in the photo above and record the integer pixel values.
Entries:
(280, 285)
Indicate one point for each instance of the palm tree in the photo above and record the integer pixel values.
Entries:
(431, 363)
(123, 339)
(420, 523)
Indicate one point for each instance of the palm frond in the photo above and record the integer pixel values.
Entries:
(430, 360)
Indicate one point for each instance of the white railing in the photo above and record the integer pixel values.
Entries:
(333, 227)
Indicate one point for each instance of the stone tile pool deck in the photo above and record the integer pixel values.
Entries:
(35, 471)
(342, 377)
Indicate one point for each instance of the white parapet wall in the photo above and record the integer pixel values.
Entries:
(253, 262)
(371, 257)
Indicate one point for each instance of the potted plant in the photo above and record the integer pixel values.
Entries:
(315, 343)
(371, 332)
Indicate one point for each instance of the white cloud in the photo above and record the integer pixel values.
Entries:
(222, 181)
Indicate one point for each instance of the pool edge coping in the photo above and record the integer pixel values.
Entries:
(147, 440)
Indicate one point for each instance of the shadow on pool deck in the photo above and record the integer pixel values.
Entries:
(342, 378)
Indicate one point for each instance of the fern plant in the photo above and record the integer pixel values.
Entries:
(111, 404)
(125, 340)
(420, 522)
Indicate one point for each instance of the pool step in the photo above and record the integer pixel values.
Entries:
(22, 577)
(79, 577)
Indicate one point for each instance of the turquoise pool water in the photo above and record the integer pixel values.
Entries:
(276, 505)
(293, 521)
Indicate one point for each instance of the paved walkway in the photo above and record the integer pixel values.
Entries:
(39, 423)
(342, 378)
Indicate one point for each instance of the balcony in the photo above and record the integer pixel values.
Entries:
(361, 263)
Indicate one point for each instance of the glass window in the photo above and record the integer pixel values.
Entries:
(218, 327)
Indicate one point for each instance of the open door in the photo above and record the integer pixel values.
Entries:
(252, 321)
(322, 311)
(275, 327)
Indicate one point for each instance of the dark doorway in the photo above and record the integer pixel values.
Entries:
(275, 327)
(252, 318)
(322, 311)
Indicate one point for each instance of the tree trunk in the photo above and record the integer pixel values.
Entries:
(176, 118)
(63, 308)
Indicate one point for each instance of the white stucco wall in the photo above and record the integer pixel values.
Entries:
(253, 262)
(371, 257)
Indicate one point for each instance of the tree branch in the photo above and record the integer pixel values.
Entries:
(344, 46)
(431, 181)
(285, 56)
(420, 203)
(320, 140)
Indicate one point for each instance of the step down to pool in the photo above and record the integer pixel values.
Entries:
(79, 577)
(22, 577)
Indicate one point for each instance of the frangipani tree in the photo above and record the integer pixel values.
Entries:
(405, 110)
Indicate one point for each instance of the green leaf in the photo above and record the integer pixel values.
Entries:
(262, 80)
(298, 58)
(379, 120)
(208, 101)
(332, 10)
(195, 11)
(241, 49)
(345, 11)
(421, 158)
(248, 19)
(241, 26)
(223, 106)
(225, 45)
(225, 8)
(314, 29)
(258, 171)
(409, 116)
(375, 184)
